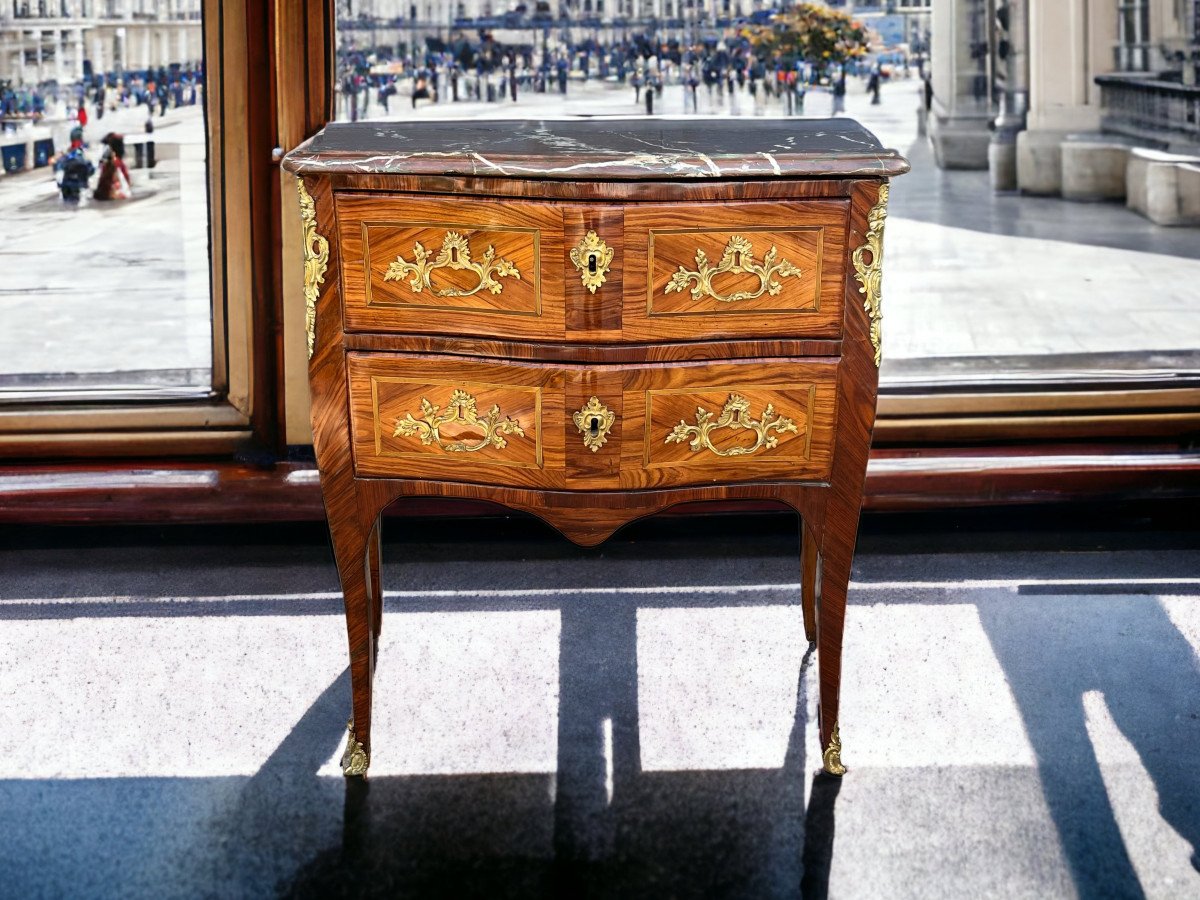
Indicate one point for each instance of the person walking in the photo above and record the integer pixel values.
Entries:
(839, 94)
(114, 182)
(74, 169)
(873, 86)
(692, 85)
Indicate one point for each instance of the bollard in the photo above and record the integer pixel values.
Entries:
(649, 100)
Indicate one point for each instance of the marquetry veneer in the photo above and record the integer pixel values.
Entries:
(666, 311)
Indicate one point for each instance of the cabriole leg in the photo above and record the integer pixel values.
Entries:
(350, 547)
(808, 580)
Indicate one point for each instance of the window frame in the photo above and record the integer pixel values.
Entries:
(235, 411)
(270, 70)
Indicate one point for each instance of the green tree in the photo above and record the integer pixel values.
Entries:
(810, 33)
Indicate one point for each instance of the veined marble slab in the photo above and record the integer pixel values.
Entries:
(603, 147)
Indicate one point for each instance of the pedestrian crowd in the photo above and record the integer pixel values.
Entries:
(90, 97)
(87, 101)
(491, 72)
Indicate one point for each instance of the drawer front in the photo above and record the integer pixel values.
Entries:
(729, 270)
(591, 427)
(483, 268)
(451, 420)
(728, 423)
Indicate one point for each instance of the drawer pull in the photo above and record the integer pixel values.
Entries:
(455, 254)
(462, 411)
(739, 259)
(594, 422)
(592, 257)
(734, 415)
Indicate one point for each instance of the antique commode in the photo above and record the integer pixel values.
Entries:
(592, 320)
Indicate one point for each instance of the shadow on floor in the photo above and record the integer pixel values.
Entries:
(1053, 650)
(576, 833)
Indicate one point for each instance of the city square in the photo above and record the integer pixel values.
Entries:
(437, 468)
(949, 236)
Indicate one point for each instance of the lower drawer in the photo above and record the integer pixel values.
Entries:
(597, 427)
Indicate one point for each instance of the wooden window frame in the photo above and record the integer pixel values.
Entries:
(236, 412)
(270, 69)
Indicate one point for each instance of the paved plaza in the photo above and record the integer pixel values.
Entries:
(971, 278)
(118, 287)
(1020, 715)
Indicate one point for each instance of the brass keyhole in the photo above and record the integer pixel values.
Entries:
(737, 258)
(594, 426)
(592, 263)
(454, 254)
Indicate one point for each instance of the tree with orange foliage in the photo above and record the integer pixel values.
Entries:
(810, 33)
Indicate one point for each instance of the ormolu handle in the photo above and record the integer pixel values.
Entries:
(455, 254)
(734, 415)
(738, 258)
(461, 410)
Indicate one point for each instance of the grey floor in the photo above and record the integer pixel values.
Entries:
(1021, 713)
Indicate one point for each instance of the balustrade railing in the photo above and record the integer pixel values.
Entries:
(1142, 106)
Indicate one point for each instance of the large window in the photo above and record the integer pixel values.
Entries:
(1001, 312)
(1133, 33)
(105, 202)
(136, 286)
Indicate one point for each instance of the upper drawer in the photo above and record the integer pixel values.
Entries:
(729, 270)
(483, 267)
(592, 272)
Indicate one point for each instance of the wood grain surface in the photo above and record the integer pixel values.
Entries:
(649, 401)
(773, 403)
(377, 231)
(661, 241)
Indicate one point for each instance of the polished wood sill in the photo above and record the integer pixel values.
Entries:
(928, 478)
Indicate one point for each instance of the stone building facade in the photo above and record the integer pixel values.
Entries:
(58, 40)
(1013, 81)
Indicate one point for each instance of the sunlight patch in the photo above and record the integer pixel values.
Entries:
(717, 687)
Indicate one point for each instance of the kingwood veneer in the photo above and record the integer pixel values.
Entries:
(591, 321)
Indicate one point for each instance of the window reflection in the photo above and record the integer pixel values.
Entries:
(104, 198)
(981, 287)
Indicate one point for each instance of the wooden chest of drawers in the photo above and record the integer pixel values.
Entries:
(592, 320)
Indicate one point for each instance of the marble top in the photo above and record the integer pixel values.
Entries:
(600, 148)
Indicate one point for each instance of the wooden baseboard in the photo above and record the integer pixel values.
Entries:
(221, 492)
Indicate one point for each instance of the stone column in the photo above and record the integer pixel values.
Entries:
(38, 39)
(1070, 43)
(78, 42)
(99, 57)
(1013, 47)
(960, 112)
